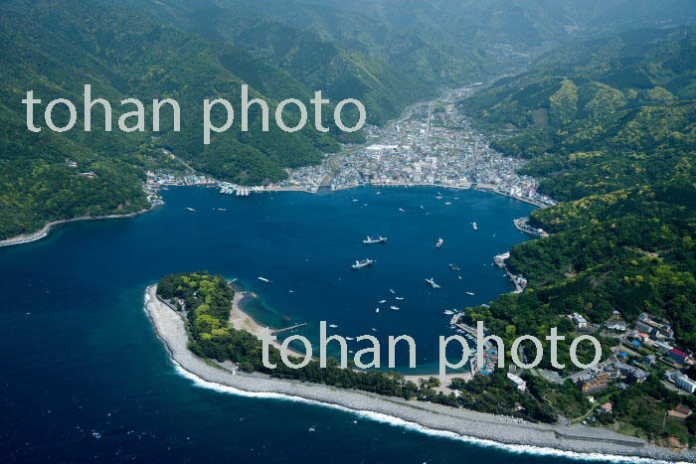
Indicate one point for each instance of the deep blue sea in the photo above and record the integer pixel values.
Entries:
(84, 378)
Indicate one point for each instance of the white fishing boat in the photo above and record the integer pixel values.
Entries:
(382, 301)
(190, 209)
(470, 293)
(399, 298)
(474, 225)
(449, 312)
(376, 310)
(263, 279)
(432, 283)
(394, 308)
(333, 326)
(372, 241)
(364, 263)
(440, 242)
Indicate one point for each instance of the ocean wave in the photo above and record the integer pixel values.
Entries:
(398, 422)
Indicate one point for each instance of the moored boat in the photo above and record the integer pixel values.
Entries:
(364, 263)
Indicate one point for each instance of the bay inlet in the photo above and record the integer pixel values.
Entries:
(88, 376)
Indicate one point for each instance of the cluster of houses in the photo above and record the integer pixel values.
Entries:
(598, 379)
(73, 164)
(649, 340)
(162, 179)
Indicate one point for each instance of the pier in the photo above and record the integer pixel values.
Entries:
(518, 280)
(522, 224)
(288, 329)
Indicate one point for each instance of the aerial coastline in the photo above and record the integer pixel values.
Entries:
(590, 443)
(422, 148)
(47, 228)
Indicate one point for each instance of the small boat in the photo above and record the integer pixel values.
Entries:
(402, 210)
(376, 310)
(392, 291)
(470, 293)
(371, 241)
(449, 312)
(350, 338)
(432, 283)
(448, 203)
(454, 267)
(333, 326)
(394, 308)
(190, 209)
(440, 242)
(399, 298)
(460, 278)
(373, 329)
(364, 263)
(263, 279)
(474, 225)
(382, 301)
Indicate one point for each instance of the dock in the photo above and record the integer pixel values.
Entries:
(287, 329)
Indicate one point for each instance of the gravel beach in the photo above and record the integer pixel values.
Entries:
(486, 429)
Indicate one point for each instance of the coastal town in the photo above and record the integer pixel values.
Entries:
(642, 349)
(432, 144)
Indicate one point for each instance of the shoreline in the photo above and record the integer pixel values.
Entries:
(462, 424)
(48, 227)
(241, 319)
(297, 188)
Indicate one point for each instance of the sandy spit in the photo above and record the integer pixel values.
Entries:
(487, 429)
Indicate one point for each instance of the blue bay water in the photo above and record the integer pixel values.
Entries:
(84, 378)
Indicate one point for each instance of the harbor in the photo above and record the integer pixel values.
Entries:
(433, 144)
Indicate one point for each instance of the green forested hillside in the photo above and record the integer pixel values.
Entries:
(609, 126)
(635, 90)
(55, 50)
(193, 49)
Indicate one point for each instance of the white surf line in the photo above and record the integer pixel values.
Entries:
(414, 426)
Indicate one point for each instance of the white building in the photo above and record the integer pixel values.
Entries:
(579, 320)
(682, 381)
(521, 384)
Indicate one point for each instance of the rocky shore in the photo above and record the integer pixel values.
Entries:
(486, 429)
(45, 230)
